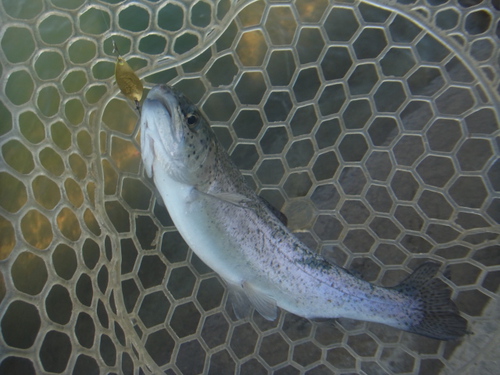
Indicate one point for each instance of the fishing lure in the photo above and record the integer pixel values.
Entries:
(129, 83)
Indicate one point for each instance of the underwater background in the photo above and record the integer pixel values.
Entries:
(373, 125)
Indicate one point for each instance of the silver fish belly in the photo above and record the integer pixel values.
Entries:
(236, 234)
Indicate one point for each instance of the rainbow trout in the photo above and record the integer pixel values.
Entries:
(239, 236)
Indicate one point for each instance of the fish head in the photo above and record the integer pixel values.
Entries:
(176, 137)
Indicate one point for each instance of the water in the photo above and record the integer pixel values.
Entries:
(375, 135)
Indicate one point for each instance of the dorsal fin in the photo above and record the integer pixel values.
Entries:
(280, 215)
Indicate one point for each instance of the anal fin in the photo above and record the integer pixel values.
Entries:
(244, 297)
(239, 301)
(265, 305)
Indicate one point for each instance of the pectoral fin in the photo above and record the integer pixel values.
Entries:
(235, 199)
(159, 198)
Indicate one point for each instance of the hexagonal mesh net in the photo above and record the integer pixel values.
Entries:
(373, 127)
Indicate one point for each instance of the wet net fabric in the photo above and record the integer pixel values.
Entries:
(373, 126)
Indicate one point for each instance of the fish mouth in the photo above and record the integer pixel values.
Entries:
(160, 110)
(164, 95)
(162, 135)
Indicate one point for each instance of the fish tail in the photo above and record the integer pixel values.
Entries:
(435, 315)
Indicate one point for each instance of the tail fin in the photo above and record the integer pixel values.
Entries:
(438, 316)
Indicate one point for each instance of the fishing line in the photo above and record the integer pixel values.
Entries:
(128, 82)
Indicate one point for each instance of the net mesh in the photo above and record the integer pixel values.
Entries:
(373, 126)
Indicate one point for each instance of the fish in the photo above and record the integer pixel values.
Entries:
(239, 236)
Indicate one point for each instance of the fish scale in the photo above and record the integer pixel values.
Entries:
(264, 265)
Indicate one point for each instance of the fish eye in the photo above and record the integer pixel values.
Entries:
(192, 120)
